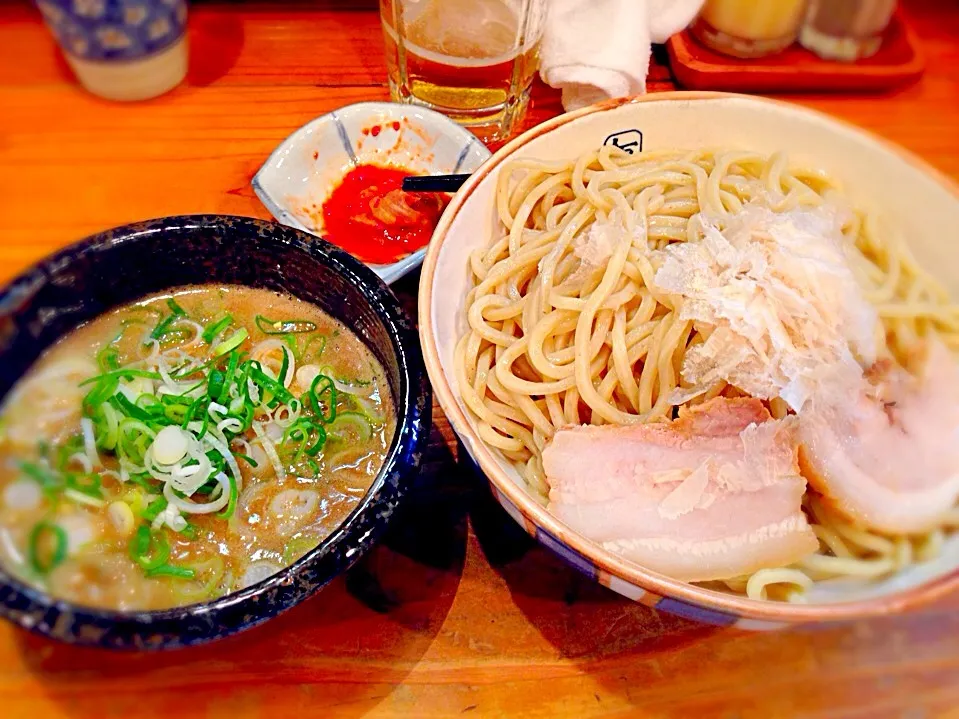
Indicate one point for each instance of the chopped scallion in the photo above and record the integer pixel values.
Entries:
(43, 557)
(322, 390)
(308, 347)
(162, 327)
(282, 327)
(249, 460)
(175, 308)
(358, 421)
(88, 484)
(284, 367)
(211, 331)
(121, 374)
(108, 358)
(232, 343)
(171, 570)
(154, 508)
(148, 549)
(231, 364)
(125, 406)
(227, 511)
(269, 384)
(48, 481)
(216, 384)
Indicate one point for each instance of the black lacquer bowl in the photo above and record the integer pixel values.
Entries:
(127, 263)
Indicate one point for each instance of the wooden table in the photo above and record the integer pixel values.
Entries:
(458, 614)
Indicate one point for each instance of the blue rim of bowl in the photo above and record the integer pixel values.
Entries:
(402, 460)
(395, 270)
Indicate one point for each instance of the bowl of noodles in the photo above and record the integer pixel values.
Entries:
(703, 347)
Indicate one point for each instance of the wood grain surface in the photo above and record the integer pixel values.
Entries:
(458, 613)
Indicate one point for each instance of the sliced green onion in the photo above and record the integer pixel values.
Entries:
(352, 381)
(249, 460)
(366, 408)
(216, 383)
(108, 358)
(86, 499)
(88, 484)
(171, 570)
(192, 371)
(121, 374)
(125, 406)
(145, 480)
(172, 400)
(175, 308)
(102, 391)
(35, 551)
(176, 413)
(269, 384)
(284, 367)
(204, 425)
(162, 327)
(357, 420)
(65, 451)
(231, 364)
(106, 426)
(282, 327)
(290, 340)
(232, 343)
(321, 339)
(198, 405)
(302, 432)
(214, 328)
(298, 546)
(140, 542)
(322, 385)
(133, 439)
(148, 549)
(150, 403)
(227, 511)
(49, 482)
(320, 442)
(154, 508)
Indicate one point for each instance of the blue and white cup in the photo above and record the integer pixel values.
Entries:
(121, 49)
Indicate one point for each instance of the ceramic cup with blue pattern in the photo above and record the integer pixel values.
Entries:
(121, 49)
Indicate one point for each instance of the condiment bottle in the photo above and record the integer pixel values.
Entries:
(846, 29)
(749, 28)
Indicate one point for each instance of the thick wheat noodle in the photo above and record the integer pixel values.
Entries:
(555, 339)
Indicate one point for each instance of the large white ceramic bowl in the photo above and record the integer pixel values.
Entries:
(903, 192)
(304, 169)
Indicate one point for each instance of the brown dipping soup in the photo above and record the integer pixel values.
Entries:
(186, 446)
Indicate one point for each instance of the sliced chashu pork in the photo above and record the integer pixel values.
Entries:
(887, 456)
(714, 494)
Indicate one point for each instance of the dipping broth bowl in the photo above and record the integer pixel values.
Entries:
(116, 267)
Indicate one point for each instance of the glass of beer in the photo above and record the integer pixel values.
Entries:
(472, 60)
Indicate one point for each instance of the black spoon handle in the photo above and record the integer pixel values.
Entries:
(433, 183)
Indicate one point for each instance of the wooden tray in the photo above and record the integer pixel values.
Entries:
(898, 62)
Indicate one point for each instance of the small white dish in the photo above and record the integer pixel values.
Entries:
(304, 169)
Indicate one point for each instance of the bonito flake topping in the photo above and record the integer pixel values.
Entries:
(788, 316)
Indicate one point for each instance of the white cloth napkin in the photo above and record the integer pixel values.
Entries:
(599, 49)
